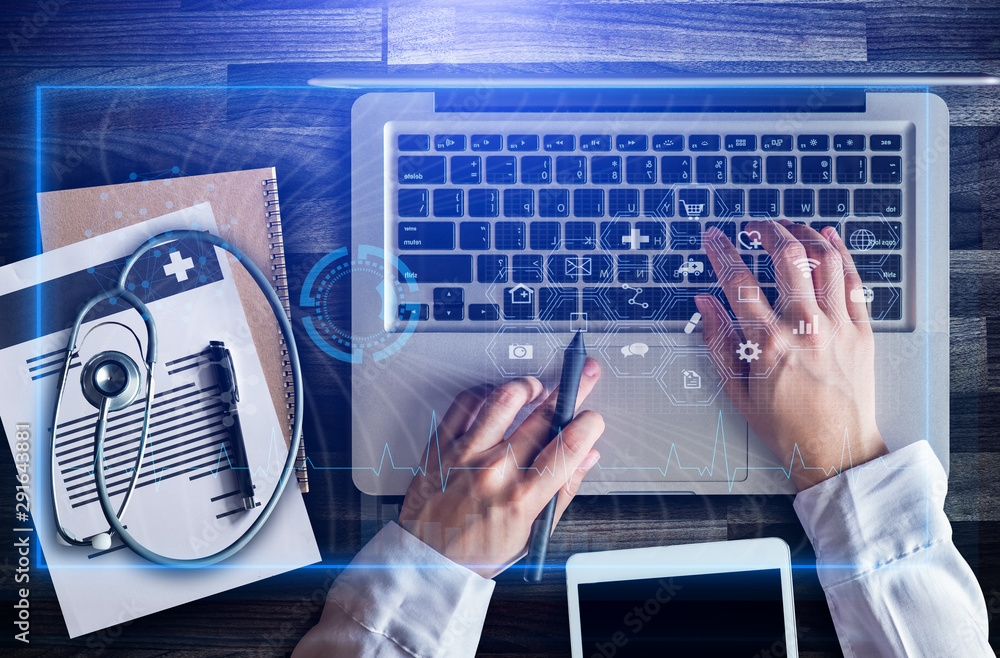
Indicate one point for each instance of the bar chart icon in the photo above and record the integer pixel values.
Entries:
(806, 328)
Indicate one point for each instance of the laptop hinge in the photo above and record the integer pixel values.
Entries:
(725, 99)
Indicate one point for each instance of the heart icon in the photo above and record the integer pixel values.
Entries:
(752, 240)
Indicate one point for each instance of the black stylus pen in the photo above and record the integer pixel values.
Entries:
(569, 383)
(225, 374)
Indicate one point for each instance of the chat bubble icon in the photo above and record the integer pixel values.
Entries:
(639, 349)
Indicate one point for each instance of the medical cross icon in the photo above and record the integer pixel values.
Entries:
(178, 266)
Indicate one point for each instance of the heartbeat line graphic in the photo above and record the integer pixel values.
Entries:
(510, 461)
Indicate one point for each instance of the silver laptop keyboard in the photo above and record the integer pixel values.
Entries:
(588, 230)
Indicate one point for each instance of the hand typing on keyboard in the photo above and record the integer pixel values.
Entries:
(815, 394)
(493, 489)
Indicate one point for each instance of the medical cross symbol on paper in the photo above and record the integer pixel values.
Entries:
(178, 266)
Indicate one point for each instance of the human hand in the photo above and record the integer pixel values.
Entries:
(813, 392)
(482, 513)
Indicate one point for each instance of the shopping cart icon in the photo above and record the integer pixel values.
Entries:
(693, 209)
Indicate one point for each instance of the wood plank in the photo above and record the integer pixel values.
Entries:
(899, 31)
(603, 33)
(95, 39)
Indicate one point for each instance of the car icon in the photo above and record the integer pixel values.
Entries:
(691, 267)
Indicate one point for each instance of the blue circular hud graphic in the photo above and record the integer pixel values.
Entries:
(331, 326)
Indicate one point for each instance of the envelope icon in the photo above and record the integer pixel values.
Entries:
(581, 266)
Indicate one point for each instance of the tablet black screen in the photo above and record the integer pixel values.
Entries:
(728, 614)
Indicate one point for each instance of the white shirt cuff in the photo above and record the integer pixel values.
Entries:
(845, 516)
(400, 587)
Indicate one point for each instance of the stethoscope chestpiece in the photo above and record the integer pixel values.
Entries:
(113, 376)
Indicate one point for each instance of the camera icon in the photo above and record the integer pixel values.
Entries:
(518, 351)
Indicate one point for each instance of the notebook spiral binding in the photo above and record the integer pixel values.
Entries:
(279, 279)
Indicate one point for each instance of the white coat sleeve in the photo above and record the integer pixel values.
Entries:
(895, 583)
(400, 597)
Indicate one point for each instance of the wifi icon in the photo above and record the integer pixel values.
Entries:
(806, 266)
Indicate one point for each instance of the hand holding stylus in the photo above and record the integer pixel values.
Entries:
(482, 517)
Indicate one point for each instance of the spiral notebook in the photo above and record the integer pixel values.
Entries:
(246, 207)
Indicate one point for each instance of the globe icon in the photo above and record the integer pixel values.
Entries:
(862, 240)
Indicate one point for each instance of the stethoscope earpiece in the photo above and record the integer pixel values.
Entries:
(101, 542)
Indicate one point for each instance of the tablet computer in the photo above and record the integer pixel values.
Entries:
(731, 598)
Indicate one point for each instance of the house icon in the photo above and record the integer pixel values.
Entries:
(521, 294)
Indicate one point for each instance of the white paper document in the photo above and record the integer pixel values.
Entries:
(186, 503)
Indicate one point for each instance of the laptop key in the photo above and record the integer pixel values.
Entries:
(564, 268)
(741, 142)
(799, 203)
(580, 235)
(544, 236)
(710, 169)
(876, 268)
(409, 312)
(817, 169)
(616, 235)
(474, 236)
(640, 169)
(553, 203)
(449, 312)
(606, 169)
(522, 142)
(484, 203)
(598, 268)
(519, 203)
(421, 169)
(887, 169)
(435, 268)
(448, 202)
(776, 143)
(685, 235)
(656, 232)
(527, 268)
(729, 203)
(877, 202)
(667, 268)
(519, 303)
(658, 203)
(814, 142)
(449, 142)
(466, 169)
(559, 142)
(557, 304)
(727, 228)
(631, 142)
(852, 169)
(834, 203)
(536, 169)
(764, 203)
(781, 169)
(571, 169)
(693, 203)
(412, 202)
(886, 304)
(413, 142)
(509, 235)
(668, 142)
(633, 268)
(484, 312)
(886, 143)
(704, 143)
(486, 143)
(848, 142)
(426, 235)
(588, 203)
(501, 169)
(675, 169)
(623, 203)
(865, 236)
(746, 169)
(595, 142)
(492, 268)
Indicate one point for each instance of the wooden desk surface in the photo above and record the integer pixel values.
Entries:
(95, 137)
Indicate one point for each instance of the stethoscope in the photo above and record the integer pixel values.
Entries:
(110, 382)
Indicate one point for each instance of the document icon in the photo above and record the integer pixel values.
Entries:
(691, 379)
(581, 266)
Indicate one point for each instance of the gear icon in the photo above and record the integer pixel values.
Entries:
(749, 351)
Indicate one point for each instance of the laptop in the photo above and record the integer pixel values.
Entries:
(494, 222)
